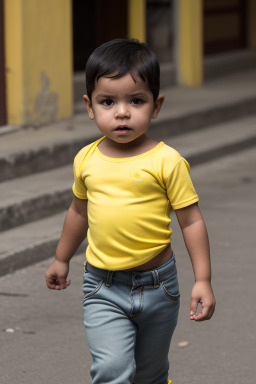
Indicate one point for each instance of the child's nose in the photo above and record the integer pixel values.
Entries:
(122, 111)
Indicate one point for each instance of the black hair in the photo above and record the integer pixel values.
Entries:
(118, 57)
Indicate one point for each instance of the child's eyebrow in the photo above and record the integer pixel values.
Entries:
(128, 95)
(103, 96)
(139, 94)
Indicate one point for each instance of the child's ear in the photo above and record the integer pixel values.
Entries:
(158, 105)
(88, 106)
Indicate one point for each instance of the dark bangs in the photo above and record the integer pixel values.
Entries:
(118, 57)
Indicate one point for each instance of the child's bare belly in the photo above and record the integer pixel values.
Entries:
(158, 260)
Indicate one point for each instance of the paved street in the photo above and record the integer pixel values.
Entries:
(42, 339)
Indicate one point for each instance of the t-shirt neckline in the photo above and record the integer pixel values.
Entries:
(130, 158)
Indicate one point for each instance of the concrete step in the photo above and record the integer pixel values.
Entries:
(44, 194)
(30, 150)
(217, 141)
(30, 243)
(32, 199)
(224, 63)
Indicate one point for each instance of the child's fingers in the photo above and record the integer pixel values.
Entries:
(200, 316)
(202, 294)
(57, 283)
(205, 314)
(51, 281)
(50, 284)
(62, 283)
(193, 307)
(56, 275)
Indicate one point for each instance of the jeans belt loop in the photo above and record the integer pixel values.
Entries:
(85, 266)
(156, 278)
(109, 278)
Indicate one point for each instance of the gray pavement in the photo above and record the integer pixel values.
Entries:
(45, 341)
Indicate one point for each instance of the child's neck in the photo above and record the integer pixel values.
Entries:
(136, 147)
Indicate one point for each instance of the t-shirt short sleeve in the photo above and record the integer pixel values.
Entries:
(79, 188)
(179, 186)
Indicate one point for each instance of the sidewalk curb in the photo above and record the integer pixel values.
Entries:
(225, 150)
(205, 118)
(30, 256)
(29, 210)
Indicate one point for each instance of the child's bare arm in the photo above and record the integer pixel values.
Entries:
(196, 239)
(74, 232)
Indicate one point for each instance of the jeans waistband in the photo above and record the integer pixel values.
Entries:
(134, 278)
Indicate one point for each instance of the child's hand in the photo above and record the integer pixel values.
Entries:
(202, 293)
(56, 275)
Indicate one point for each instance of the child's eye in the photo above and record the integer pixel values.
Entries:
(107, 102)
(137, 101)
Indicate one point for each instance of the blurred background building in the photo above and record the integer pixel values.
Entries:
(44, 46)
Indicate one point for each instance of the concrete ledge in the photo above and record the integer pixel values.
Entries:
(225, 150)
(34, 208)
(31, 243)
(33, 161)
(36, 196)
(30, 256)
(26, 257)
(203, 119)
(224, 64)
(7, 129)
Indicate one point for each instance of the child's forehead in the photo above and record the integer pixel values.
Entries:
(126, 82)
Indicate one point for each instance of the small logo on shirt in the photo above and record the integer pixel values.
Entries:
(136, 176)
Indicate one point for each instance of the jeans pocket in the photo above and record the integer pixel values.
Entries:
(170, 285)
(91, 285)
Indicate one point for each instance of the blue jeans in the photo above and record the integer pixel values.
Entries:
(129, 319)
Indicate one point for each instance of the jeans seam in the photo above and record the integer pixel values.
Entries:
(141, 300)
(172, 297)
(94, 291)
(156, 284)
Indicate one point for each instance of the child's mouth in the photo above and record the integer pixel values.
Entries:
(122, 130)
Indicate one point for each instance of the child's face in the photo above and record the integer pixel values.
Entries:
(122, 108)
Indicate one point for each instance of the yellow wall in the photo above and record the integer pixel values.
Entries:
(189, 42)
(38, 54)
(137, 19)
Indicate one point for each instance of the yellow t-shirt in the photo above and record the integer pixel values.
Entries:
(129, 202)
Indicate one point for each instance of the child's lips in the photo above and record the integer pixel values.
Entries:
(122, 129)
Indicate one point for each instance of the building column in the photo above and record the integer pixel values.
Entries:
(2, 68)
(38, 57)
(189, 42)
(137, 19)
